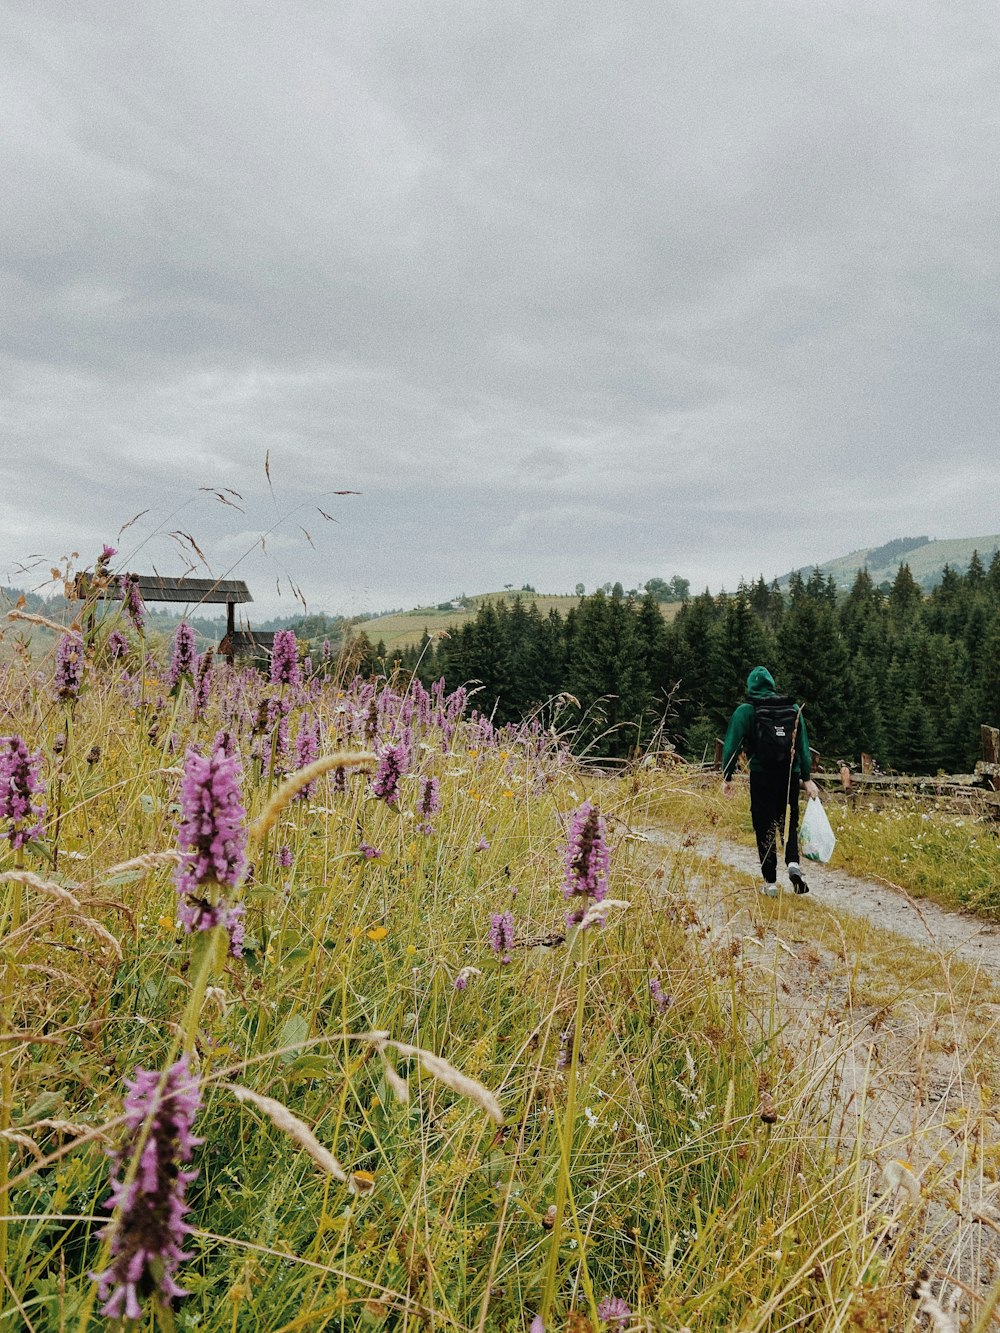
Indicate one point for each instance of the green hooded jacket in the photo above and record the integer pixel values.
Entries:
(740, 732)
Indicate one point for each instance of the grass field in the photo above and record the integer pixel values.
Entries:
(405, 628)
(413, 1093)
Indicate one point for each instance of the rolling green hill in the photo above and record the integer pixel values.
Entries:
(402, 628)
(926, 559)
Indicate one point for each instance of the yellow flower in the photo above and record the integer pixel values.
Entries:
(411, 949)
(476, 795)
(361, 1182)
(377, 933)
(508, 793)
(473, 752)
(166, 922)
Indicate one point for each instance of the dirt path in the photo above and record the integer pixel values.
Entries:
(886, 1014)
(923, 923)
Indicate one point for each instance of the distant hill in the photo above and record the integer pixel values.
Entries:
(926, 559)
(402, 628)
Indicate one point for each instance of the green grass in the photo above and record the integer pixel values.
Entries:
(671, 1191)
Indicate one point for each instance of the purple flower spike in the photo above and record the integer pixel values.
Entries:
(213, 821)
(614, 1311)
(306, 750)
(117, 645)
(285, 659)
(587, 859)
(135, 607)
(69, 667)
(213, 835)
(19, 783)
(393, 763)
(430, 797)
(369, 853)
(203, 681)
(659, 997)
(184, 656)
(501, 934)
(147, 1244)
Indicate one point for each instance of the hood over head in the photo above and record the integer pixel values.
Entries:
(760, 683)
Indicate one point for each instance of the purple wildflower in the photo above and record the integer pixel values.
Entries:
(339, 780)
(430, 797)
(482, 845)
(325, 652)
(537, 1325)
(19, 782)
(203, 681)
(614, 1311)
(103, 560)
(213, 827)
(135, 607)
(587, 859)
(285, 659)
(146, 1245)
(213, 834)
(461, 982)
(69, 667)
(369, 853)
(658, 995)
(285, 856)
(117, 645)
(183, 657)
(501, 933)
(306, 750)
(393, 763)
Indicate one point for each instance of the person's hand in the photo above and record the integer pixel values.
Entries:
(810, 788)
(727, 787)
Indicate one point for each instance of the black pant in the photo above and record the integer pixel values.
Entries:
(770, 794)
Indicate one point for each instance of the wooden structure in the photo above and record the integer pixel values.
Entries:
(192, 592)
(251, 645)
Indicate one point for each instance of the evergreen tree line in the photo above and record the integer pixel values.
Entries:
(905, 677)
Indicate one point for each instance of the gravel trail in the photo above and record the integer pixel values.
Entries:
(921, 922)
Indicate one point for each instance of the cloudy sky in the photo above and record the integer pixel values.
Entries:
(568, 290)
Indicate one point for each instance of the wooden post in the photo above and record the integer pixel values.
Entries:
(989, 768)
(867, 764)
(718, 753)
(990, 739)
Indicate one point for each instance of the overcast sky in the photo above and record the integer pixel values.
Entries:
(568, 290)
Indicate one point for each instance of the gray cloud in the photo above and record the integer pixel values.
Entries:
(568, 292)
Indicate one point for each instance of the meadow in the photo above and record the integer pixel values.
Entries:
(329, 1005)
(405, 629)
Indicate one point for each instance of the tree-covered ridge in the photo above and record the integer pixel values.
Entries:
(905, 677)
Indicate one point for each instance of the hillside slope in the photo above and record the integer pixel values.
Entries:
(925, 558)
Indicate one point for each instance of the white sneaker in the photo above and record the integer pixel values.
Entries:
(768, 890)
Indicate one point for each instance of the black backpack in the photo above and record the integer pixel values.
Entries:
(775, 722)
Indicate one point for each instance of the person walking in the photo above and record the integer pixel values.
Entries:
(770, 730)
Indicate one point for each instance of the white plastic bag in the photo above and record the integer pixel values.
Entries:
(816, 838)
